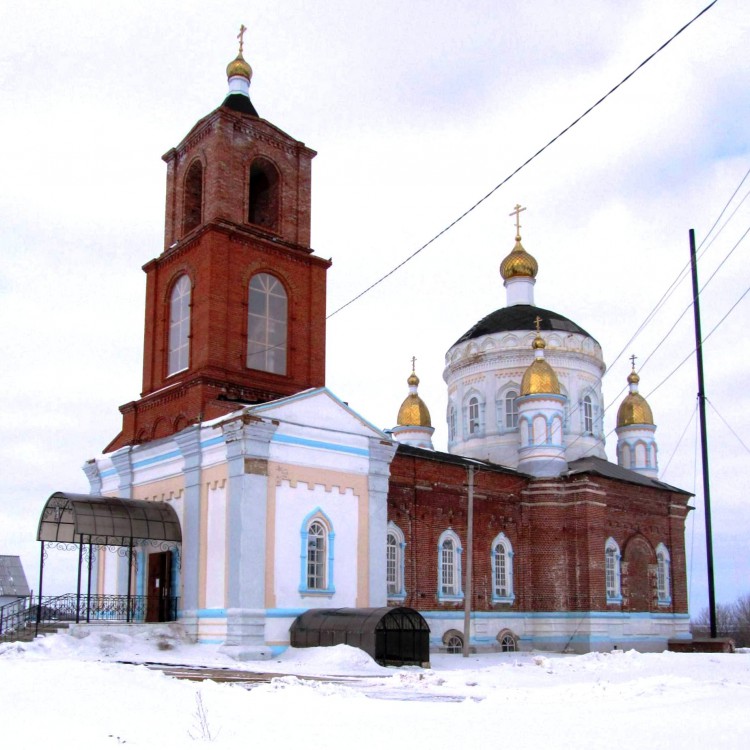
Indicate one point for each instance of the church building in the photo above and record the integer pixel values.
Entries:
(287, 499)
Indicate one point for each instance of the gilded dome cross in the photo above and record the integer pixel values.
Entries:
(241, 35)
(413, 363)
(517, 213)
(632, 361)
(538, 323)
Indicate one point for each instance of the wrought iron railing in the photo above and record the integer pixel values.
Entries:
(13, 618)
(21, 615)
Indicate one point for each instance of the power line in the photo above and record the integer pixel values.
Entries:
(727, 425)
(524, 164)
(682, 274)
(705, 338)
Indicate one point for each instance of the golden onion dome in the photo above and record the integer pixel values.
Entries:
(634, 409)
(539, 378)
(518, 263)
(413, 413)
(239, 67)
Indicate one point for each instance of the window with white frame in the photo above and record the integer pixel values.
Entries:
(394, 562)
(267, 324)
(663, 589)
(612, 570)
(179, 326)
(474, 428)
(452, 422)
(588, 415)
(317, 554)
(511, 410)
(474, 415)
(502, 569)
(449, 566)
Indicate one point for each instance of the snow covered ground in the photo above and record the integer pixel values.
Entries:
(67, 691)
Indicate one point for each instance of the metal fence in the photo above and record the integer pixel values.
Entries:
(19, 617)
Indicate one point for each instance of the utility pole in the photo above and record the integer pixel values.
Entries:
(704, 437)
(469, 561)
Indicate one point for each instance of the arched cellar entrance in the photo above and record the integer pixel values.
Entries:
(392, 636)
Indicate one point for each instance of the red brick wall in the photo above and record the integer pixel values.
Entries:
(558, 530)
(220, 256)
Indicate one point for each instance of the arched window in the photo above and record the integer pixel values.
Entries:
(588, 415)
(193, 197)
(452, 422)
(663, 588)
(511, 410)
(507, 640)
(317, 554)
(179, 326)
(267, 324)
(473, 416)
(612, 571)
(449, 566)
(502, 569)
(394, 562)
(263, 203)
(453, 641)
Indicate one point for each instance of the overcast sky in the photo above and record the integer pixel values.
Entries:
(416, 110)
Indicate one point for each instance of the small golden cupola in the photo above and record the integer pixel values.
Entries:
(541, 412)
(239, 75)
(634, 409)
(636, 442)
(414, 426)
(519, 269)
(539, 376)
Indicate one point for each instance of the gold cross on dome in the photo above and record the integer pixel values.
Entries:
(517, 213)
(632, 361)
(538, 322)
(241, 35)
(413, 363)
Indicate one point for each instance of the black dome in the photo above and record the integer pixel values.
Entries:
(521, 318)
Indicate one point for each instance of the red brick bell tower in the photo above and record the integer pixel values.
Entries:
(235, 304)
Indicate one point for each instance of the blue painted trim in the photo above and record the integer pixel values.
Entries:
(215, 612)
(211, 641)
(458, 596)
(304, 531)
(212, 441)
(164, 456)
(453, 615)
(292, 440)
(156, 459)
(296, 612)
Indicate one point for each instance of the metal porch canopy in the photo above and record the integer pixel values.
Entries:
(108, 521)
(90, 521)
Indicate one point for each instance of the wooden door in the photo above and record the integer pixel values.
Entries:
(159, 589)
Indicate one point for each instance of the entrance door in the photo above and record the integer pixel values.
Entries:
(640, 593)
(159, 587)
